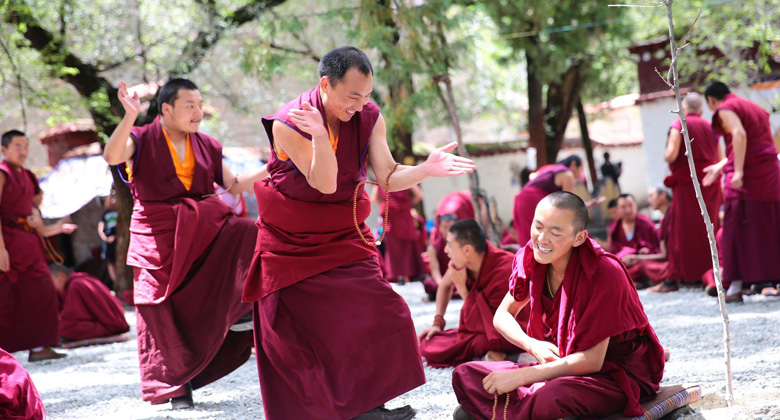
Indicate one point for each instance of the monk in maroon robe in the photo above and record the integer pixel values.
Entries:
(597, 354)
(28, 300)
(87, 307)
(453, 207)
(403, 245)
(751, 221)
(687, 245)
(655, 268)
(633, 233)
(479, 271)
(189, 252)
(333, 339)
(19, 400)
(560, 177)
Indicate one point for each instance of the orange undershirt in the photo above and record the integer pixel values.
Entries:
(184, 169)
(334, 143)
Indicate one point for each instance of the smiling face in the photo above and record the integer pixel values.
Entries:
(348, 96)
(553, 234)
(186, 112)
(17, 150)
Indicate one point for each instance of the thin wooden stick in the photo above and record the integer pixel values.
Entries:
(703, 208)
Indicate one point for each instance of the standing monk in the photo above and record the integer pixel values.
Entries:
(687, 244)
(189, 252)
(633, 233)
(479, 271)
(403, 242)
(751, 221)
(597, 353)
(28, 300)
(333, 339)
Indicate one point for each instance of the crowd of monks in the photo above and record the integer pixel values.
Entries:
(553, 330)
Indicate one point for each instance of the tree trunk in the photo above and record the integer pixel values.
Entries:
(586, 143)
(562, 97)
(535, 113)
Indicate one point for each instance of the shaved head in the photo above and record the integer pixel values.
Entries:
(693, 102)
(567, 201)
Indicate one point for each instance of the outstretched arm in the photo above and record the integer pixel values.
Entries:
(120, 146)
(242, 182)
(440, 162)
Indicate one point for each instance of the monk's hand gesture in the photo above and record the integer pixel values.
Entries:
(309, 120)
(5, 260)
(544, 351)
(736, 179)
(131, 104)
(458, 275)
(711, 174)
(503, 381)
(428, 333)
(443, 163)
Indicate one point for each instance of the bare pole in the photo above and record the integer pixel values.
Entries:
(707, 222)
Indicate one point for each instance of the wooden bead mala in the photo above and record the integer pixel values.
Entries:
(495, 405)
(387, 208)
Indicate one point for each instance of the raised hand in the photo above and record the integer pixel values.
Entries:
(308, 119)
(131, 104)
(442, 163)
(596, 201)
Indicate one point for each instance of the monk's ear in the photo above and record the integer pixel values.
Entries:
(166, 107)
(324, 83)
(580, 238)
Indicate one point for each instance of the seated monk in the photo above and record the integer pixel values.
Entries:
(597, 353)
(453, 207)
(479, 271)
(18, 397)
(633, 233)
(87, 308)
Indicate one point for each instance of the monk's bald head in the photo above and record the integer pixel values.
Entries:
(567, 201)
(693, 102)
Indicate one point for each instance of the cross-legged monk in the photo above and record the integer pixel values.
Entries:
(751, 220)
(87, 308)
(453, 207)
(634, 233)
(560, 177)
(189, 252)
(334, 341)
(28, 300)
(655, 268)
(18, 397)
(403, 245)
(480, 272)
(597, 354)
(687, 244)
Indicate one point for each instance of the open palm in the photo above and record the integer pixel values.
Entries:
(441, 163)
(131, 104)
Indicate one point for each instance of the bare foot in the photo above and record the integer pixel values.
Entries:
(494, 356)
(667, 354)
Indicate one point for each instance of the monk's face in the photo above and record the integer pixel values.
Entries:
(186, 113)
(348, 96)
(17, 150)
(553, 233)
(458, 253)
(712, 103)
(627, 207)
(444, 227)
(654, 198)
(613, 213)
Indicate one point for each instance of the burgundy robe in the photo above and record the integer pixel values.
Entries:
(645, 236)
(475, 334)
(190, 255)
(708, 278)
(656, 270)
(751, 221)
(532, 193)
(687, 246)
(28, 299)
(19, 400)
(597, 300)
(457, 203)
(88, 310)
(403, 243)
(333, 339)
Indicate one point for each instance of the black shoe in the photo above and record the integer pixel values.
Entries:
(380, 413)
(185, 401)
(461, 414)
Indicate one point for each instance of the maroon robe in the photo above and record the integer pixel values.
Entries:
(403, 245)
(656, 270)
(333, 339)
(19, 400)
(688, 248)
(751, 221)
(645, 236)
(190, 255)
(597, 300)
(708, 278)
(28, 299)
(476, 334)
(532, 193)
(88, 310)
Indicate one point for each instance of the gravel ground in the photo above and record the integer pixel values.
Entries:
(102, 382)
